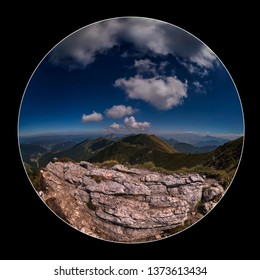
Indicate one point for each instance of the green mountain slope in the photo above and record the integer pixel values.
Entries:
(149, 141)
(63, 146)
(188, 148)
(81, 151)
(142, 148)
(226, 157)
(32, 149)
(134, 149)
(31, 153)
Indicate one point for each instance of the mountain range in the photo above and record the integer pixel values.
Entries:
(183, 147)
(135, 149)
(198, 139)
(142, 151)
(40, 152)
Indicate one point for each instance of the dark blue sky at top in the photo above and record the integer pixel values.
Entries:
(57, 97)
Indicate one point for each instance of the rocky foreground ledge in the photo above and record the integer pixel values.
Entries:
(126, 204)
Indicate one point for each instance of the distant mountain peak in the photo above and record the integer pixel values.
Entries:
(134, 149)
(150, 141)
(111, 137)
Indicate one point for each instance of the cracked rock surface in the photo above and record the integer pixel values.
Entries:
(126, 204)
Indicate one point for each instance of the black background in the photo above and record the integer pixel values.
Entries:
(30, 231)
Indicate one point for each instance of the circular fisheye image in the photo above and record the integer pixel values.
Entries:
(131, 130)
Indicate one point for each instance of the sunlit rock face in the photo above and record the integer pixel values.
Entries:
(124, 204)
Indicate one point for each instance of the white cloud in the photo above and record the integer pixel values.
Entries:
(114, 126)
(145, 66)
(199, 87)
(131, 123)
(81, 48)
(120, 111)
(194, 69)
(94, 117)
(162, 93)
(203, 58)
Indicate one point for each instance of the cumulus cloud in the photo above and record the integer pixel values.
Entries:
(162, 93)
(120, 111)
(94, 117)
(131, 123)
(81, 48)
(114, 126)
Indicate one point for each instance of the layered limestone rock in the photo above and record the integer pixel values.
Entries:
(126, 204)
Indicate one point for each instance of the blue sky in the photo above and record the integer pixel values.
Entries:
(131, 75)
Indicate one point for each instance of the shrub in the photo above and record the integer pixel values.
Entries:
(149, 165)
(64, 159)
(91, 206)
(108, 163)
(222, 176)
(200, 207)
(97, 178)
(35, 178)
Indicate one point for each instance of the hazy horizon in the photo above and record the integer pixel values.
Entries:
(105, 133)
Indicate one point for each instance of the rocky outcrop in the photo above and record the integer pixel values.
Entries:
(126, 204)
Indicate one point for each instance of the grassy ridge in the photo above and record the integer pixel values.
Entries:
(125, 152)
(220, 164)
(82, 151)
(135, 149)
(150, 152)
(150, 141)
(226, 156)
